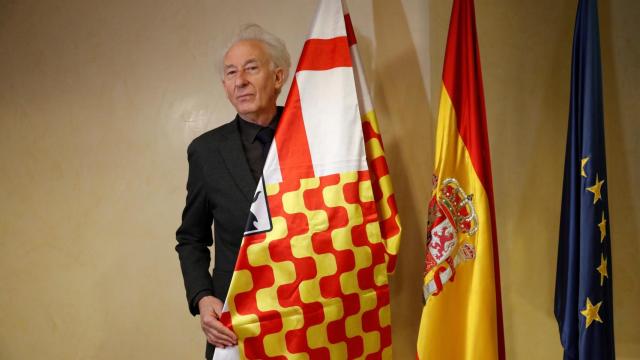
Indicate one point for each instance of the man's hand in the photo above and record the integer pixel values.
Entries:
(216, 333)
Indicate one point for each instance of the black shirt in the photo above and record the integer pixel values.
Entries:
(252, 144)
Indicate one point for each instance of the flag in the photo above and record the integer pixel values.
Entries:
(584, 295)
(384, 196)
(462, 315)
(311, 279)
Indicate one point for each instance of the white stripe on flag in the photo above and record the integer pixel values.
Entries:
(271, 171)
(332, 120)
(329, 21)
(363, 90)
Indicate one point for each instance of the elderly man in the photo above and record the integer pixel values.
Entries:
(225, 165)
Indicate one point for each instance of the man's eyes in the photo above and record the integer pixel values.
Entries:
(249, 69)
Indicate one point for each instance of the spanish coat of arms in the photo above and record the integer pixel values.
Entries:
(451, 225)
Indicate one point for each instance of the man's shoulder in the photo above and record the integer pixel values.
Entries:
(213, 137)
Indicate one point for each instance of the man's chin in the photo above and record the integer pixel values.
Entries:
(246, 109)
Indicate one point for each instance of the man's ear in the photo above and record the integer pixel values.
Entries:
(279, 73)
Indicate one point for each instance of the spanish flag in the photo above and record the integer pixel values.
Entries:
(462, 316)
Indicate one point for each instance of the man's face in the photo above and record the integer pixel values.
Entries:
(249, 80)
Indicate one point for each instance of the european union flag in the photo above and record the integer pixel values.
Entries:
(584, 296)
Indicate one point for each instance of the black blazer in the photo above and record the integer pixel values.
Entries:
(220, 188)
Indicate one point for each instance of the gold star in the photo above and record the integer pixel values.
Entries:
(602, 269)
(603, 228)
(595, 189)
(591, 312)
(584, 162)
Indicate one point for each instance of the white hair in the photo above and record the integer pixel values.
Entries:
(274, 46)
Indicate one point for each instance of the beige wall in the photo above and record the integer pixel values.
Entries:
(98, 101)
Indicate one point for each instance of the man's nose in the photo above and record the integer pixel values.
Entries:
(241, 79)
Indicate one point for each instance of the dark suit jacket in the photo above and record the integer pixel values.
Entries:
(220, 188)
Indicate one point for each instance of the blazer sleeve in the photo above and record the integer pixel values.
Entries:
(194, 234)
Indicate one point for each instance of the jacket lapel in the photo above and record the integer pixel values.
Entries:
(236, 161)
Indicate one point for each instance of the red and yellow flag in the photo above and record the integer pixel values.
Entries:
(462, 316)
(311, 279)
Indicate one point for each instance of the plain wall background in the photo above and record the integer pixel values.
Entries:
(98, 101)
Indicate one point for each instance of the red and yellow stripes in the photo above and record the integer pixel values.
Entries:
(464, 321)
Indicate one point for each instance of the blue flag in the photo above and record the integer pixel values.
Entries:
(584, 296)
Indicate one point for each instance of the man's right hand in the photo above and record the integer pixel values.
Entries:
(216, 333)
